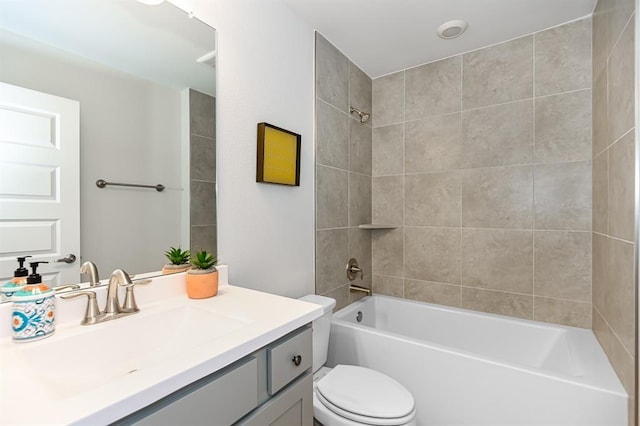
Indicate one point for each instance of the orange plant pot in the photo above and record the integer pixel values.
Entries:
(202, 284)
(174, 269)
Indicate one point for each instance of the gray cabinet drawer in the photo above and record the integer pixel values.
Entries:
(220, 400)
(281, 368)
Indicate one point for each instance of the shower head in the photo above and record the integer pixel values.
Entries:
(364, 116)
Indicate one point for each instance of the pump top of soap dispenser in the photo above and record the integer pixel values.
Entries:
(34, 278)
(21, 271)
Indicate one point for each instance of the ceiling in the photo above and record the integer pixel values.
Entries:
(158, 43)
(383, 36)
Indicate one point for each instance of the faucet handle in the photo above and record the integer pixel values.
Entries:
(92, 312)
(130, 304)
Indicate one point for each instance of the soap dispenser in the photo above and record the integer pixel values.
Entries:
(33, 314)
(17, 283)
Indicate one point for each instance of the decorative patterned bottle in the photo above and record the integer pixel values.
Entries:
(33, 314)
(17, 283)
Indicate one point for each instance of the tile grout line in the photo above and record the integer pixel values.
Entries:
(533, 185)
(460, 177)
(404, 198)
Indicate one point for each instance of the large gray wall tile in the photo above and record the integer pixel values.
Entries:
(388, 100)
(433, 144)
(563, 127)
(498, 74)
(433, 254)
(600, 271)
(563, 265)
(332, 204)
(202, 112)
(387, 252)
(432, 292)
(621, 297)
(433, 89)
(600, 133)
(360, 86)
(621, 78)
(498, 302)
(498, 197)
(203, 203)
(498, 259)
(432, 199)
(359, 199)
(204, 237)
(563, 58)
(360, 248)
(360, 147)
(389, 286)
(498, 135)
(563, 196)
(388, 150)
(565, 312)
(203, 158)
(332, 136)
(387, 200)
(621, 205)
(600, 194)
(341, 295)
(332, 251)
(332, 74)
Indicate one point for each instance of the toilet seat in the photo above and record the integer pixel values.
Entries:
(365, 396)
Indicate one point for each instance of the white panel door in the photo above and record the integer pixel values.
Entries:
(39, 182)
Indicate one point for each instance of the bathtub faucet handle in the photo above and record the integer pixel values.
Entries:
(353, 269)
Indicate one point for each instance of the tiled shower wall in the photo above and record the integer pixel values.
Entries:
(483, 161)
(202, 111)
(613, 185)
(343, 172)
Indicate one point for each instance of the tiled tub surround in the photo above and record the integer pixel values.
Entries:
(483, 160)
(613, 186)
(343, 172)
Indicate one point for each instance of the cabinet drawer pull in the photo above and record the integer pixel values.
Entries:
(297, 359)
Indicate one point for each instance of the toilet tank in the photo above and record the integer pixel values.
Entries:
(321, 328)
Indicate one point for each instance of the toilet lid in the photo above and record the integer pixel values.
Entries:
(365, 392)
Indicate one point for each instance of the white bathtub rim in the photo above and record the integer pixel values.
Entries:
(608, 383)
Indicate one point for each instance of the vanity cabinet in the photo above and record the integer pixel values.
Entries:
(272, 386)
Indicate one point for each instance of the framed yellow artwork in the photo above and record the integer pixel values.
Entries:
(278, 155)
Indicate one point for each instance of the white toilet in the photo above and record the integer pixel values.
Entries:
(348, 395)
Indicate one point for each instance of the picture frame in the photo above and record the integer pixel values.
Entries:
(278, 155)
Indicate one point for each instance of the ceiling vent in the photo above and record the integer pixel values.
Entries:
(452, 29)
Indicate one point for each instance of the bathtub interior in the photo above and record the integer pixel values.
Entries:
(494, 337)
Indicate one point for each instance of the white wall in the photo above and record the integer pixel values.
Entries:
(265, 73)
(129, 132)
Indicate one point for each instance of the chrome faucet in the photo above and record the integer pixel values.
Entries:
(91, 269)
(112, 309)
(118, 277)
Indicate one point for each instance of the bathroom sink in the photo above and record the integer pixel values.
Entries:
(91, 356)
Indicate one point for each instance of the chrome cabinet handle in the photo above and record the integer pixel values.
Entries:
(67, 259)
(297, 359)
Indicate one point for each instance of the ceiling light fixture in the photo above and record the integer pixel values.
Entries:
(452, 29)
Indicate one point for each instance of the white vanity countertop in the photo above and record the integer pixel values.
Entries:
(34, 390)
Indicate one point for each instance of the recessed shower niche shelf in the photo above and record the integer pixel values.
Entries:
(374, 226)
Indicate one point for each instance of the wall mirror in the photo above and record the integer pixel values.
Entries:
(142, 78)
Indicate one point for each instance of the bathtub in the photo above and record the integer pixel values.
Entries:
(470, 368)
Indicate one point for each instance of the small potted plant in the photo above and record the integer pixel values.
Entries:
(179, 260)
(202, 278)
